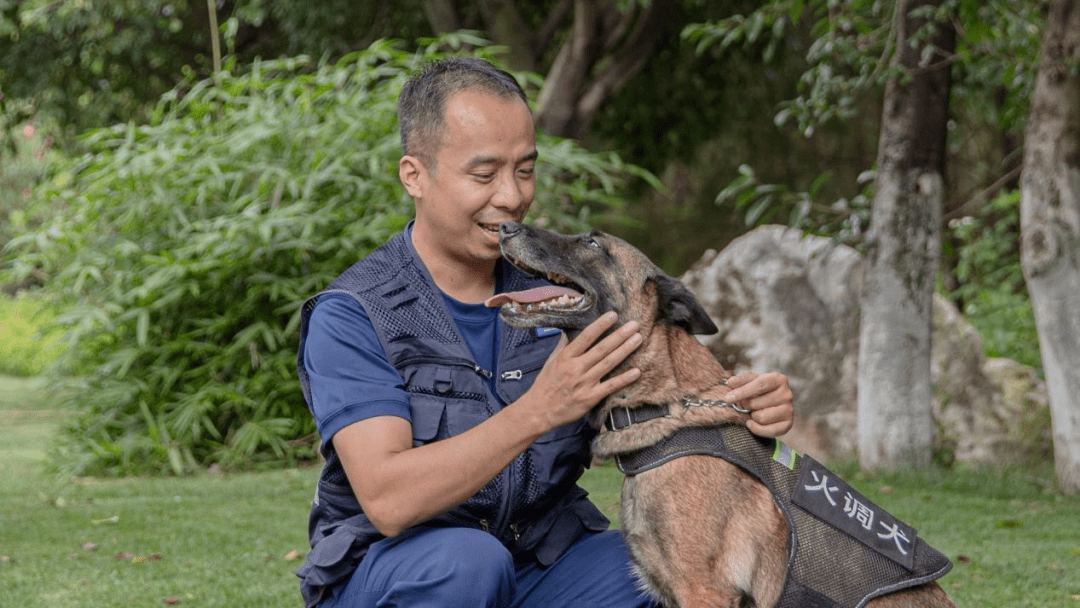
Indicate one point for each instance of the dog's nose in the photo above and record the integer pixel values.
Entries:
(508, 229)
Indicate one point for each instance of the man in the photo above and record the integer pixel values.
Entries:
(454, 443)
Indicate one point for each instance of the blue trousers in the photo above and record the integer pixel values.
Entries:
(462, 567)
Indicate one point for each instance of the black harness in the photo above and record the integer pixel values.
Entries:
(843, 550)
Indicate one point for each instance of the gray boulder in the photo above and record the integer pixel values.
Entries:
(790, 303)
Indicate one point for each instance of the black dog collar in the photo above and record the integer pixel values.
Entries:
(622, 417)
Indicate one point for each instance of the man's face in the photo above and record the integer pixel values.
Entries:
(483, 176)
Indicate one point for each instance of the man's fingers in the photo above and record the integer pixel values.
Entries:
(768, 430)
(621, 349)
(614, 348)
(756, 391)
(772, 414)
(619, 382)
(591, 333)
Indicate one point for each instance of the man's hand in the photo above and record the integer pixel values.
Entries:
(769, 398)
(572, 380)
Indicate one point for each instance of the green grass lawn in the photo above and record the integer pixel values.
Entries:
(207, 540)
(229, 540)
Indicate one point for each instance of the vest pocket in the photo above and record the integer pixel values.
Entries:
(436, 417)
(427, 416)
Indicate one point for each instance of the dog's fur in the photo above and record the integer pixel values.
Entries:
(701, 531)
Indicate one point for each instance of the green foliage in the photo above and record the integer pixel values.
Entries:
(846, 57)
(189, 244)
(333, 27)
(848, 50)
(28, 341)
(29, 159)
(851, 45)
(92, 62)
(991, 291)
(764, 203)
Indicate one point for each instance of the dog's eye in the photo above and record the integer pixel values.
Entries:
(593, 243)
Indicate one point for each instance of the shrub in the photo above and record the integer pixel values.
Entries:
(991, 290)
(27, 344)
(192, 241)
(29, 161)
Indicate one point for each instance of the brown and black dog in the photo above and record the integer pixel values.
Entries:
(702, 532)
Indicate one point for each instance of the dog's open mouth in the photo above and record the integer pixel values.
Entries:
(562, 296)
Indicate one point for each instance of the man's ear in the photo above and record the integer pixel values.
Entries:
(411, 172)
(677, 306)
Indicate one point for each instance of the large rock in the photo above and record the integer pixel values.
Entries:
(790, 303)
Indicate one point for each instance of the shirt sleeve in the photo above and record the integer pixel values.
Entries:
(350, 377)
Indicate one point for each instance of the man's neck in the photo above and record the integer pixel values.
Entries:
(469, 281)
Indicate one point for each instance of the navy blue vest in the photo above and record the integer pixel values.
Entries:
(534, 506)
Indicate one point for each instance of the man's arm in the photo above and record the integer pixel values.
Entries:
(400, 486)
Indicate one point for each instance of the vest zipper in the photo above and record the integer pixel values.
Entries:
(499, 526)
(455, 361)
(517, 374)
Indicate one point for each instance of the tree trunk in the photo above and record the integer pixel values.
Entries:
(601, 35)
(507, 28)
(557, 103)
(895, 414)
(441, 15)
(1050, 228)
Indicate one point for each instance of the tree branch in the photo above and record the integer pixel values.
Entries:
(982, 195)
(628, 62)
(551, 25)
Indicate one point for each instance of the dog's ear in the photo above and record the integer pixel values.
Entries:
(676, 305)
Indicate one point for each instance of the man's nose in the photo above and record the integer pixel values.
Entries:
(508, 195)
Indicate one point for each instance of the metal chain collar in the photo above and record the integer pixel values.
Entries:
(688, 402)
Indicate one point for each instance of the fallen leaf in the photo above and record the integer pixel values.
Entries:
(115, 519)
(963, 559)
(125, 555)
(292, 555)
(172, 600)
(4, 559)
(885, 490)
(155, 556)
(90, 546)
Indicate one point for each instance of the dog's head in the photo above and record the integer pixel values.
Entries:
(591, 273)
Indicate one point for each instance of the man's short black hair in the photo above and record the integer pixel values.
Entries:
(422, 103)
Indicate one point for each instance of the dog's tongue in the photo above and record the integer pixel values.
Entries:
(530, 296)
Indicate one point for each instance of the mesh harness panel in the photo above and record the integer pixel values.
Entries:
(843, 550)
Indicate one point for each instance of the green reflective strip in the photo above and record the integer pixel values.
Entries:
(783, 454)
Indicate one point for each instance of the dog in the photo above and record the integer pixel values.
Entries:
(702, 531)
